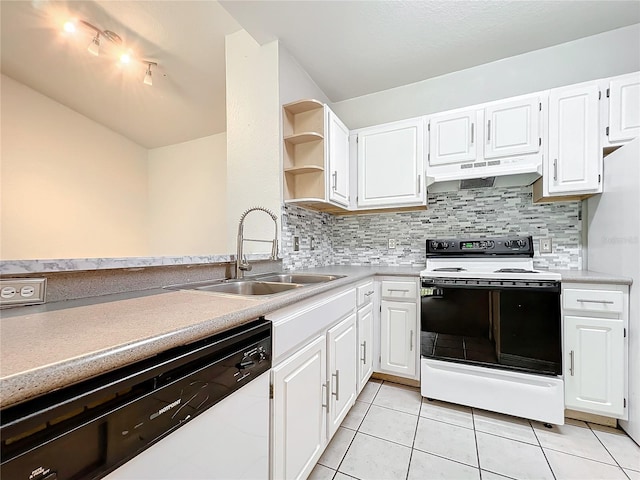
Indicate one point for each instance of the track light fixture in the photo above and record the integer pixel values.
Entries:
(148, 80)
(125, 56)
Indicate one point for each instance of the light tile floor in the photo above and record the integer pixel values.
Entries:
(392, 433)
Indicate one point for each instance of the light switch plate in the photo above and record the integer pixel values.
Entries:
(545, 245)
(22, 291)
(392, 243)
(296, 244)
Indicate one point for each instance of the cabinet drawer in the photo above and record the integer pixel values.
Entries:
(365, 293)
(606, 301)
(391, 289)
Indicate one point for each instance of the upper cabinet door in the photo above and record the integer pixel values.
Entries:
(453, 137)
(624, 108)
(390, 164)
(512, 128)
(338, 159)
(575, 158)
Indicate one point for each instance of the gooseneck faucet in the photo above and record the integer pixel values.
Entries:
(242, 265)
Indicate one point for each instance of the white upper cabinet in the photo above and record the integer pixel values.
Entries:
(315, 156)
(512, 128)
(493, 130)
(390, 164)
(338, 159)
(574, 162)
(452, 137)
(624, 108)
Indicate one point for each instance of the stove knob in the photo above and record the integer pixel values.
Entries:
(434, 244)
(508, 243)
(522, 243)
(445, 245)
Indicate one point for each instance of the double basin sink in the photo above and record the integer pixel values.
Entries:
(267, 284)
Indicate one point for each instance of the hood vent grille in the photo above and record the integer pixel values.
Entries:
(477, 183)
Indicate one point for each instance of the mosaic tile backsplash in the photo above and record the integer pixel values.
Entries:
(363, 239)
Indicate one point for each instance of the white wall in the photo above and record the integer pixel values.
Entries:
(607, 54)
(71, 188)
(188, 197)
(295, 82)
(253, 137)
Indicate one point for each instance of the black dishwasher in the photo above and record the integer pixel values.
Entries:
(87, 430)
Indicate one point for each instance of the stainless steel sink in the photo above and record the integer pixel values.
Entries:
(250, 287)
(304, 278)
(265, 284)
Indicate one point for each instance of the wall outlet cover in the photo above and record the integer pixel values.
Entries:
(296, 244)
(392, 243)
(545, 245)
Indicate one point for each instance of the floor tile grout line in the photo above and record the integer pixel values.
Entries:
(584, 458)
(543, 452)
(415, 434)
(448, 458)
(475, 439)
(605, 447)
(396, 410)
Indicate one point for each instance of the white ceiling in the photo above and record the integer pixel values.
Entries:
(350, 48)
(186, 39)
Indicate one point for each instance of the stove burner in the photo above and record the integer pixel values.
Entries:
(449, 269)
(514, 270)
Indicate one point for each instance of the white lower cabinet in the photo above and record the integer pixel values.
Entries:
(399, 328)
(314, 385)
(342, 351)
(365, 345)
(595, 320)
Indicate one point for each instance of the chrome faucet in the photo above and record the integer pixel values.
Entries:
(242, 265)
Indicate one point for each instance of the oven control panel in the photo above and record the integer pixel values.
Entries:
(498, 246)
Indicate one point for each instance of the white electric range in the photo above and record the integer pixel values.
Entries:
(491, 328)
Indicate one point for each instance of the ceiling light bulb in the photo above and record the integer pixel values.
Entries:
(125, 58)
(69, 26)
(147, 76)
(94, 46)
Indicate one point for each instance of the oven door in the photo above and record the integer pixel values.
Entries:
(511, 325)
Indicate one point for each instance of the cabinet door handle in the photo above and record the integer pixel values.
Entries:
(325, 396)
(472, 132)
(337, 392)
(571, 362)
(335, 180)
(411, 341)
(369, 293)
(419, 183)
(488, 131)
(584, 300)
(555, 169)
(364, 352)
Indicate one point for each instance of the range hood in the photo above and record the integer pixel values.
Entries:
(507, 172)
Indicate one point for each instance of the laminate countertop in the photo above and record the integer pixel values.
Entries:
(47, 347)
(50, 346)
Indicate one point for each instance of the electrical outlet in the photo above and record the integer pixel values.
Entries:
(296, 244)
(22, 291)
(312, 244)
(392, 243)
(545, 245)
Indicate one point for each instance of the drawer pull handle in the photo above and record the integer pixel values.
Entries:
(364, 352)
(571, 362)
(398, 290)
(337, 382)
(584, 300)
(368, 294)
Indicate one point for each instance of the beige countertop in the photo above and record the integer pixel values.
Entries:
(588, 276)
(43, 348)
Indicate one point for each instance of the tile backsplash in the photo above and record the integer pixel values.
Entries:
(363, 239)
